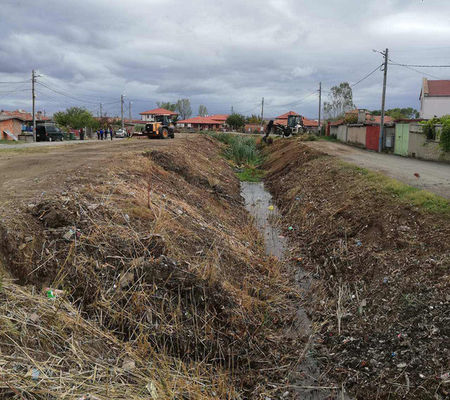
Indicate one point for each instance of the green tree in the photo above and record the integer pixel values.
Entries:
(340, 101)
(254, 119)
(235, 121)
(399, 113)
(75, 118)
(183, 107)
(167, 105)
(202, 110)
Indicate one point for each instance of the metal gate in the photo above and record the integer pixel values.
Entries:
(372, 137)
(401, 139)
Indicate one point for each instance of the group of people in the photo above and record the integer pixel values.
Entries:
(103, 133)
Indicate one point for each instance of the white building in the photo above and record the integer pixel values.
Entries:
(434, 98)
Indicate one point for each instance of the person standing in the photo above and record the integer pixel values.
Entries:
(98, 134)
(111, 132)
(81, 134)
(101, 134)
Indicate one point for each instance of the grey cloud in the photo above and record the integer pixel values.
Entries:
(218, 53)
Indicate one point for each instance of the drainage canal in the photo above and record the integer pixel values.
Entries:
(259, 203)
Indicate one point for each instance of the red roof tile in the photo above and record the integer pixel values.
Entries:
(25, 116)
(286, 115)
(309, 122)
(219, 117)
(439, 88)
(199, 120)
(158, 111)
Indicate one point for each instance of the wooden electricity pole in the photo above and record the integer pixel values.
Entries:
(262, 114)
(33, 96)
(383, 100)
(320, 103)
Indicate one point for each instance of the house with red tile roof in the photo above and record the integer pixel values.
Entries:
(10, 127)
(150, 114)
(434, 98)
(309, 124)
(365, 117)
(219, 117)
(24, 115)
(201, 123)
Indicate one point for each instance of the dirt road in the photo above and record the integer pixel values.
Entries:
(25, 172)
(433, 176)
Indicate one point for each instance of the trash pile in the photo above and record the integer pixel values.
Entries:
(379, 271)
(147, 282)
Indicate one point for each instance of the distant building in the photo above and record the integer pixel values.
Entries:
(151, 114)
(10, 127)
(434, 98)
(212, 122)
(310, 124)
(365, 117)
(17, 122)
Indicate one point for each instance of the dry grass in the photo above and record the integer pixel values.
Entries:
(167, 265)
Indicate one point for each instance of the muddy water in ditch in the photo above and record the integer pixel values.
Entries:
(259, 203)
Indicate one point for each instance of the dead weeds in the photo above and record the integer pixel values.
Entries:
(380, 268)
(160, 264)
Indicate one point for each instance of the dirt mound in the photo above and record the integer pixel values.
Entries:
(381, 275)
(160, 255)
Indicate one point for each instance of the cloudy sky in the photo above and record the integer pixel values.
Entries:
(220, 53)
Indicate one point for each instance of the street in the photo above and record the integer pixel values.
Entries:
(433, 176)
(38, 167)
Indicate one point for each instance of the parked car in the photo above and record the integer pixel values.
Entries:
(121, 133)
(48, 133)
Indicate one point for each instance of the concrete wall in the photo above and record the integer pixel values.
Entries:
(342, 133)
(420, 147)
(431, 106)
(357, 135)
(334, 130)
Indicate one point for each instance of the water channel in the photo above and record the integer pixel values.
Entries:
(259, 203)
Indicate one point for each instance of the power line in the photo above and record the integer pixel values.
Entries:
(13, 82)
(66, 95)
(369, 74)
(415, 70)
(97, 98)
(420, 66)
(15, 91)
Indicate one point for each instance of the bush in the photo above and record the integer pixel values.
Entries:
(241, 149)
(445, 136)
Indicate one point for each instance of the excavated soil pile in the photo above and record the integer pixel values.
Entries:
(379, 295)
(149, 281)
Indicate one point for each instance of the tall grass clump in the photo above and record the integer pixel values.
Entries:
(244, 153)
(241, 150)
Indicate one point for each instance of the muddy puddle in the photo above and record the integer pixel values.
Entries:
(306, 379)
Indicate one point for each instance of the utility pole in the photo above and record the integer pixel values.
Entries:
(101, 110)
(33, 95)
(383, 100)
(129, 110)
(121, 109)
(232, 110)
(262, 114)
(320, 103)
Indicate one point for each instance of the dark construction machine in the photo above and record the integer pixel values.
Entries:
(162, 127)
(293, 127)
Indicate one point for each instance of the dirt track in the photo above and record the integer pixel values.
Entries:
(27, 172)
(433, 176)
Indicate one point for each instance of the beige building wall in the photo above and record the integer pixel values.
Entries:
(342, 133)
(357, 135)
